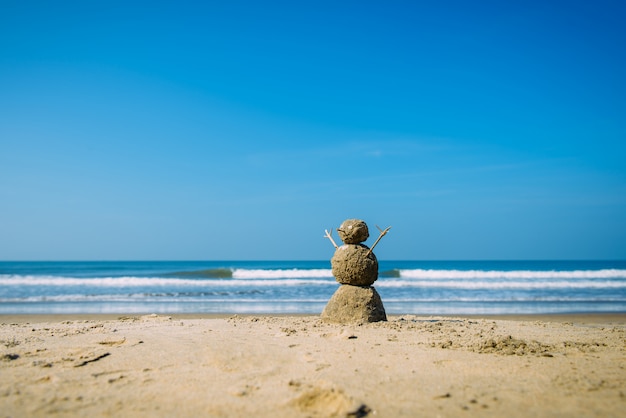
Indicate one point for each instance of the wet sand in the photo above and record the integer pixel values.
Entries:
(298, 366)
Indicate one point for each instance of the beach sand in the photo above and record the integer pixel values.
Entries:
(298, 366)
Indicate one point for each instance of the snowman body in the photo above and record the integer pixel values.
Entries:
(354, 264)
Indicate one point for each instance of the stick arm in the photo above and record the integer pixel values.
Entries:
(382, 234)
(328, 234)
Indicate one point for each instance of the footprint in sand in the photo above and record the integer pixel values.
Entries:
(318, 401)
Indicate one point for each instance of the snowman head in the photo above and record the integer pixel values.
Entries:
(353, 231)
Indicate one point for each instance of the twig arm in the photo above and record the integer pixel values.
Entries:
(382, 234)
(328, 234)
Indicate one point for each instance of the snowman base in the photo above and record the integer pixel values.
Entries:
(354, 305)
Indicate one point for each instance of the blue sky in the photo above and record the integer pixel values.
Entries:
(241, 130)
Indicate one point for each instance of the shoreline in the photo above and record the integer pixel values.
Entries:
(588, 318)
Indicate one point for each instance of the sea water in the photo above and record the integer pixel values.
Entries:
(270, 287)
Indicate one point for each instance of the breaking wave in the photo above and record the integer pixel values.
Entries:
(132, 281)
(516, 274)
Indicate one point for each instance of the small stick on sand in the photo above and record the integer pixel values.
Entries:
(382, 234)
(329, 236)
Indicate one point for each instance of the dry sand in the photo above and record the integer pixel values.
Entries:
(297, 366)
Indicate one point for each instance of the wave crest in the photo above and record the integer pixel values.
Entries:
(151, 281)
(515, 274)
(281, 274)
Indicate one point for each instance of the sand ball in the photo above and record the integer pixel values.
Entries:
(354, 305)
(353, 231)
(352, 264)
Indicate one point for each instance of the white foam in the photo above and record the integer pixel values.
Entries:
(516, 274)
(99, 282)
(149, 298)
(481, 284)
(281, 273)
(8, 280)
(482, 299)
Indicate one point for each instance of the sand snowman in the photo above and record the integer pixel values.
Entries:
(355, 267)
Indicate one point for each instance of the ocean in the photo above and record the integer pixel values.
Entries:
(304, 287)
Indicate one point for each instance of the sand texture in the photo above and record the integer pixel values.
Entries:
(284, 366)
(354, 305)
(354, 264)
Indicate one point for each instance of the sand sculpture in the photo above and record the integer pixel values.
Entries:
(355, 267)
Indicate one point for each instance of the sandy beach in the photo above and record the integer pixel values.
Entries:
(298, 366)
